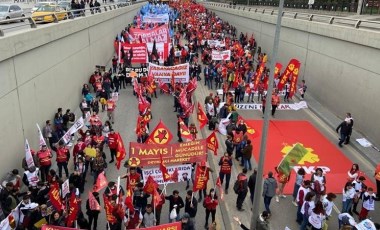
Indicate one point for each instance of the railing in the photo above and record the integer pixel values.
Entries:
(341, 21)
(55, 19)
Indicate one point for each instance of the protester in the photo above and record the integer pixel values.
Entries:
(300, 199)
(225, 164)
(191, 205)
(306, 209)
(344, 128)
(175, 201)
(241, 189)
(252, 184)
(297, 184)
(92, 212)
(368, 203)
(269, 190)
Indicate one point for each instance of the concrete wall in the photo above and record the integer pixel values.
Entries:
(43, 69)
(340, 65)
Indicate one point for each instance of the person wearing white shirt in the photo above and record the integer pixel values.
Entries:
(353, 173)
(348, 195)
(346, 219)
(328, 204)
(317, 216)
(359, 188)
(306, 209)
(369, 198)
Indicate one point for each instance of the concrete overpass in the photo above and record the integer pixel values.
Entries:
(43, 69)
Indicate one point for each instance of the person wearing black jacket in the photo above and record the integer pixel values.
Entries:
(229, 145)
(92, 214)
(344, 128)
(351, 124)
(191, 205)
(175, 199)
(252, 184)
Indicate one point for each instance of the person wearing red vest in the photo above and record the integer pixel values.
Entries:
(44, 157)
(112, 144)
(110, 110)
(63, 156)
(133, 178)
(225, 164)
(237, 139)
(78, 149)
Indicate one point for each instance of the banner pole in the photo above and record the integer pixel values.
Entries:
(192, 196)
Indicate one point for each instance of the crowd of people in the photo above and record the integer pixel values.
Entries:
(238, 78)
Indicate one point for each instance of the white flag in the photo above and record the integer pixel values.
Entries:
(42, 139)
(28, 155)
(65, 188)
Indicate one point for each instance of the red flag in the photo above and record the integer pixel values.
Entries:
(55, 197)
(156, 198)
(219, 185)
(109, 208)
(291, 69)
(259, 72)
(202, 118)
(136, 87)
(212, 143)
(94, 204)
(129, 199)
(73, 211)
(143, 104)
(150, 186)
(192, 85)
(293, 82)
(101, 182)
(174, 176)
(160, 135)
(164, 87)
(185, 132)
(201, 178)
(164, 170)
(120, 151)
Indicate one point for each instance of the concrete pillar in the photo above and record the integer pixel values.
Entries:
(360, 7)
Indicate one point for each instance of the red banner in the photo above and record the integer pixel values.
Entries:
(159, 34)
(73, 210)
(201, 115)
(149, 155)
(201, 178)
(212, 143)
(140, 53)
(108, 208)
(171, 226)
(293, 82)
(94, 204)
(160, 135)
(291, 70)
(50, 227)
(259, 72)
(120, 151)
(55, 197)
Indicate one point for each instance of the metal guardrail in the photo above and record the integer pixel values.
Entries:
(69, 15)
(341, 21)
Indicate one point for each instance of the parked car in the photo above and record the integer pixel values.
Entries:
(44, 13)
(65, 5)
(8, 11)
(38, 5)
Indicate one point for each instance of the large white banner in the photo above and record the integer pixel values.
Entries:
(162, 49)
(184, 173)
(216, 43)
(181, 72)
(156, 18)
(221, 55)
(295, 106)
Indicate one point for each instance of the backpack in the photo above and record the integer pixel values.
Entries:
(236, 186)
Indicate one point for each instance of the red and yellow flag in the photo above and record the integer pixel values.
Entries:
(120, 151)
(201, 115)
(109, 208)
(259, 72)
(174, 176)
(185, 132)
(156, 198)
(212, 143)
(160, 135)
(165, 175)
(129, 199)
(291, 69)
(73, 210)
(94, 204)
(55, 197)
(201, 178)
(150, 186)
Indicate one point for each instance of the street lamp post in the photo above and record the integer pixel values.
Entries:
(260, 169)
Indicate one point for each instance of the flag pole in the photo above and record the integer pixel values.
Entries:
(192, 196)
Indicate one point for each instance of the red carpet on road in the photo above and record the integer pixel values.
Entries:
(322, 153)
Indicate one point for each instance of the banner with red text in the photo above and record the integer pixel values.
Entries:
(171, 226)
(221, 55)
(181, 72)
(51, 227)
(184, 173)
(160, 34)
(149, 155)
(162, 50)
(291, 71)
(140, 54)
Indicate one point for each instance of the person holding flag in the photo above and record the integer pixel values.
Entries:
(225, 164)
(157, 202)
(175, 201)
(63, 157)
(44, 157)
(112, 144)
(93, 209)
(133, 178)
